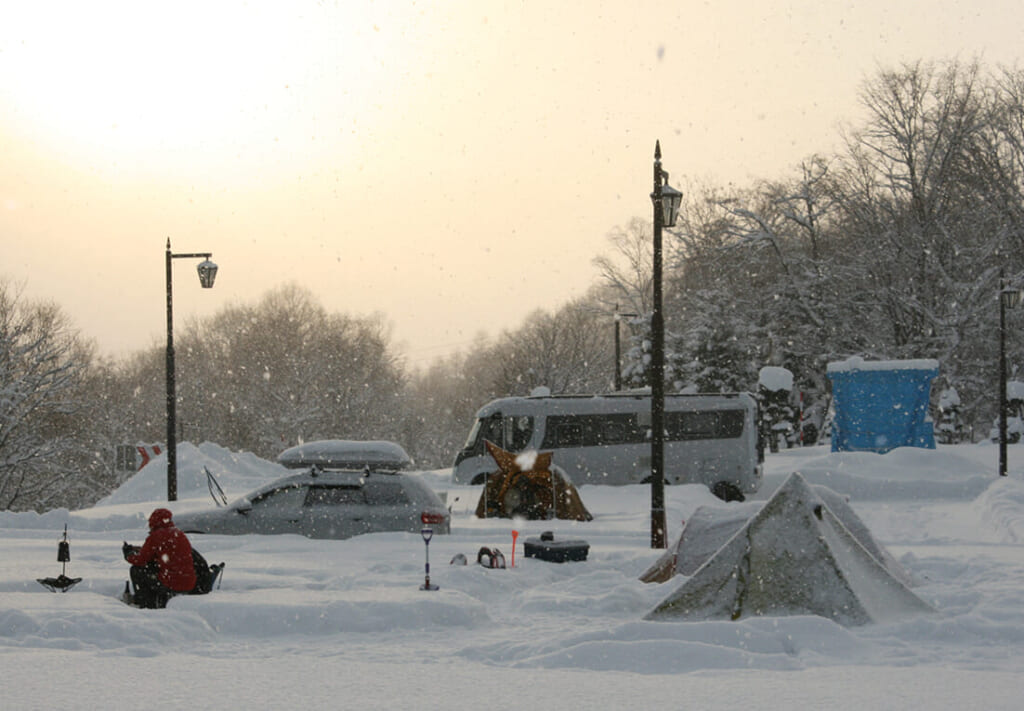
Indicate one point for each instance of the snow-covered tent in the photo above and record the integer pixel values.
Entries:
(710, 527)
(793, 557)
(707, 530)
(881, 405)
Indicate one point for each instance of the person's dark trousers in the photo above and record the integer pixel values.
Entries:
(149, 591)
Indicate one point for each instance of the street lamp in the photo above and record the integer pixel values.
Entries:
(666, 202)
(1008, 299)
(618, 357)
(207, 273)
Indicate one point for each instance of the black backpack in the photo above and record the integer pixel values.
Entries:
(206, 574)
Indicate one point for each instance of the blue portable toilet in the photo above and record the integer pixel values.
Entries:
(881, 405)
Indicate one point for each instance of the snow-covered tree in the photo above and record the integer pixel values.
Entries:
(43, 364)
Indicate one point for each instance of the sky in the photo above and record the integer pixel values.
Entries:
(450, 165)
(322, 620)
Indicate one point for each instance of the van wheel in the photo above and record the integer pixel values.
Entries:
(727, 491)
(478, 479)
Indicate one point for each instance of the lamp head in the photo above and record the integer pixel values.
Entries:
(671, 199)
(207, 273)
(1010, 297)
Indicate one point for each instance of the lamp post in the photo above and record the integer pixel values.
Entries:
(666, 202)
(1008, 299)
(618, 357)
(207, 273)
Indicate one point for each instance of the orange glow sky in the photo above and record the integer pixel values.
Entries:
(452, 165)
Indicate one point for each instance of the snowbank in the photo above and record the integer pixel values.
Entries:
(325, 620)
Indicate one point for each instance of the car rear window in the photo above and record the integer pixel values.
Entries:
(334, 496)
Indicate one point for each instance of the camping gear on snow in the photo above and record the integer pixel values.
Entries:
(527, 485)
(458, 559)
(62, 583)
(793, 557)
(881, 405)
(547, 548)
(490, 558)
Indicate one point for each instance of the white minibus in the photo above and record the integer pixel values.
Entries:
(605, 439)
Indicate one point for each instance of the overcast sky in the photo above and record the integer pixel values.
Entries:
(452, 165)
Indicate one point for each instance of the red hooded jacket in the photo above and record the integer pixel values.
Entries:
(169, 547)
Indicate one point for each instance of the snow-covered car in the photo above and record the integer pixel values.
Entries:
(323, 501)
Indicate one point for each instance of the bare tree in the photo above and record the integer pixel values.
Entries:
(626, 275)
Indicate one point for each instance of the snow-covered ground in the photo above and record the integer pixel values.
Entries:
(343, 624)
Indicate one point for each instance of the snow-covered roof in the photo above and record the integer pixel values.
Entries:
(346, 454)
(857, 363)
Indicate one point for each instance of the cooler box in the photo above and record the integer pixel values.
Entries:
(547, 548)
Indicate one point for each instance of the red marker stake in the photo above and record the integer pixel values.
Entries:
(515, 535)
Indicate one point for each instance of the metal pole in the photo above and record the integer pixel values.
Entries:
(618, 359)
(172, 443)
(657, 373)
(1002, 381)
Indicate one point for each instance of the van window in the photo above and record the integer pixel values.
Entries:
(518, 431)
(491, 430)
(569, 433)
(621, 428)
(720, 424)
(591, 430)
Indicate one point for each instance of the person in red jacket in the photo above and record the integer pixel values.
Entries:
(163, 566)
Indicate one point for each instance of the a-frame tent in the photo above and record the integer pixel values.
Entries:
(793, 557)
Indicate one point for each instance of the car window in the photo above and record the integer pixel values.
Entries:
(381, 492)
(286, 497)
(334, 496)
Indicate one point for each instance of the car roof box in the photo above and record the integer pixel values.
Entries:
(346, 454)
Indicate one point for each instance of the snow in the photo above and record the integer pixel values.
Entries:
(857, 363)
(1014, 390)
(343, 624)
(774, 378)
